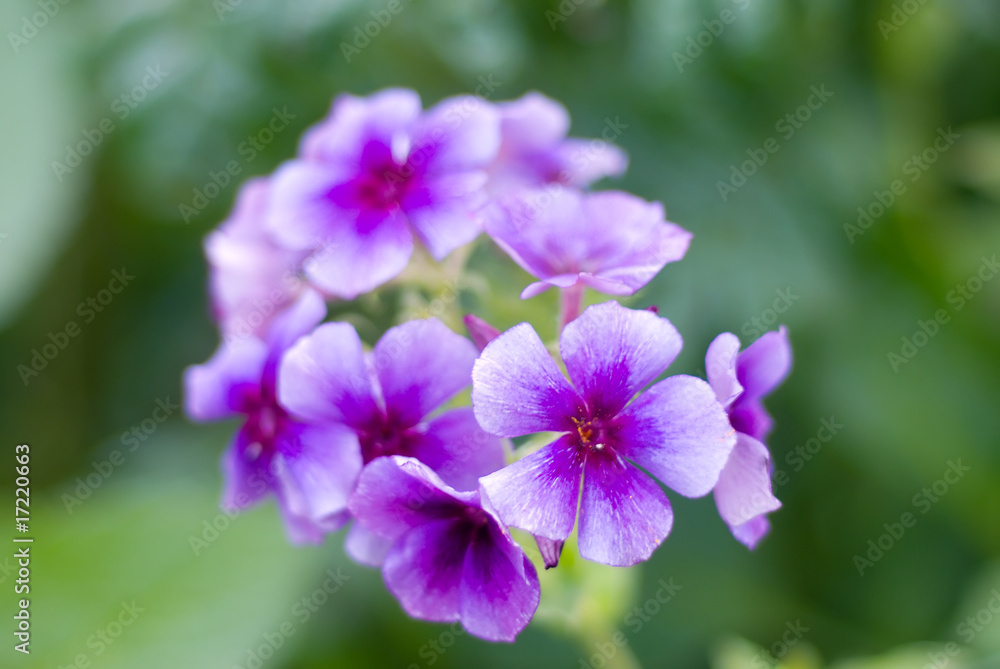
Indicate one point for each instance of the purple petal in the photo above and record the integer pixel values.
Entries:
(302, 212)
(323, 378)
(458, 450)
(446, 211)
(539, 492)
(744, 488)
(395, 494)
(354, 124)
(624, 515)
(679, 433)
(457, 134)
(720, 367)
(588, 160)
(517, 388)
(764, 364)
(303, 530)
(550, 550)
(420, 365)
(317, 466)
(751, 532)
(532, 123)
(482, 333)
(219, 388)
(498, 597)
(423, 569)
(244, 481)
(611, 353)
(366, 547)
(298, 320)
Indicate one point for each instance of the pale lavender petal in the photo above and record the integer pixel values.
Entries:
(423, 569)
(611, 353)
(538, 493)
(558, 281)
(302, 530)
(317, 466)
(498, 598)
(764, 364)
(395, 494)
(744, 488)
(303, 210)
(720, 367)
(446, 210)
(679, 433)
(244, 480)
(420, 365)
(298, 320)
(366, 547)
(458, 450)
(482, 333)
(517, 388)
(585, 161)
(355, 124)
(222, 387)
(624, 514)
(532, 123)
(323, 378)
(460, 133)
(751, 532)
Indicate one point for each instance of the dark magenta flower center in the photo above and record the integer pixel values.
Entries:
(385, 437)
(595, 434)
(382, 189)
(265, 420)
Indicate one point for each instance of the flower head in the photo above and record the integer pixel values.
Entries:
(387, 398)
(743, 494)
(610, 241)
(450, 558)
(535, 152)
(375, 173)
(676, 430)
(303, 465)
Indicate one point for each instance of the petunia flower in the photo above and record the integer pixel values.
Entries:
(387, 399)
(450, 558)
(743, 494)
(675, 430)
(374, 174)
(251, 278)
(535, 152)
(306, 466)
(610, 241)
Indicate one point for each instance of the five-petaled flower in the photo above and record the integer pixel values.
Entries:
(375, 173)
(450, 558)
(676, 430)
(387, 398)
(743, 494)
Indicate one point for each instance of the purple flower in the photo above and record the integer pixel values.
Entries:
(387, 399)
(535, 152)
(305, 466)
(676, 430)
(451, 559)
(611, 241)
(743, 494)
(251, 277)
(375, 173)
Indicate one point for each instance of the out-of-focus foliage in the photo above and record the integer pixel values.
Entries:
(901, 74)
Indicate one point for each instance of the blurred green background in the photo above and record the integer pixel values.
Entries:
(690, 104)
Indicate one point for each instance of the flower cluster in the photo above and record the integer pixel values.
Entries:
(379, 440)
